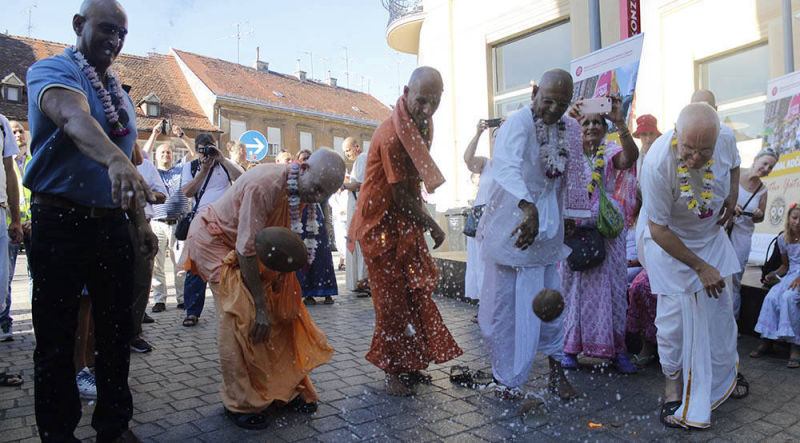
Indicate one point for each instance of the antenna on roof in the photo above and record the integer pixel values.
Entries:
(30, 25)
(347, 67)
(238, 36)
(310, 57)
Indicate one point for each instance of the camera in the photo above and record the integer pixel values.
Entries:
(207, 150)
(494, 122)
(166, 127)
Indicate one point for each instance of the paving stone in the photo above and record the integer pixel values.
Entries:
(326, 424)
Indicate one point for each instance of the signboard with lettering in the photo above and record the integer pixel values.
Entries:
(612, 70)
(782, 134)
(630, 18)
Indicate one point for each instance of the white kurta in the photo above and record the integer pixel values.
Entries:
(355, 267)
(513, 277)
(473, 276)
(696, 334)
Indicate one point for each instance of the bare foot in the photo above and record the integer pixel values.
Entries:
(558, 382)
(396, 387)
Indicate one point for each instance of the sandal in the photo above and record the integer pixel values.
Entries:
(418, 377)
(741, 381)
(190, 320)
(298, 405)
(461, 375)
(309, 301)
(6, 379)
(328, 300)
(248, 421)
(761, 351)
(643, 361)
(668, 409)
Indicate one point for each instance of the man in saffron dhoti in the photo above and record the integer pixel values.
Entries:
(388, 224)
(686, 186)
(538, 175)
(268, 343)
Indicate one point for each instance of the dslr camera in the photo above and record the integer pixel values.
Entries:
(207, 150)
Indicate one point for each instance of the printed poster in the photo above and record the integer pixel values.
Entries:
(612, 70)
(781, 133)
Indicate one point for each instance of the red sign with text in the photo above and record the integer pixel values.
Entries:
(630, 18)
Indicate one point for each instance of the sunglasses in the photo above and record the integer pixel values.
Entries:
(109, 28)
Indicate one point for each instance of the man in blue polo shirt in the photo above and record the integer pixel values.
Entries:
(83, 181)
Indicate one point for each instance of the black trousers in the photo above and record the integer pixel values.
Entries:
(70, 250)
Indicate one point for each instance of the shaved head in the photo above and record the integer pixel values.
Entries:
(551, 97)
(101, 27)
(704, 96)
(556, 79)
(697, 130)
(425, 75)
(422, 94)
(322, 175)
(351, 148)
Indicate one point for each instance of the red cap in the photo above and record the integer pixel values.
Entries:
(646, 123)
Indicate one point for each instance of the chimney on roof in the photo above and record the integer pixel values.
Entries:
(258, 64)
(330, 80)
(300, 73)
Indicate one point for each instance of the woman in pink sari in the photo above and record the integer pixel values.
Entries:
(596, 298)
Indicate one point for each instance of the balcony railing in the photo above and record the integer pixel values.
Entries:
(401, 8)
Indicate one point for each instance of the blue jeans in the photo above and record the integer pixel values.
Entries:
(69, 251)
(194, 294)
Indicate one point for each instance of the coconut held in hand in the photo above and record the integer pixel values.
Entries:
(280, 249)
(548, 305)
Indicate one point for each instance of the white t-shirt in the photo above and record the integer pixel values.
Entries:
(662, 204)
(217, 184)
(10, 149)
(150, 174)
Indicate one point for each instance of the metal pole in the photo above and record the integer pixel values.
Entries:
(595, 41)
(788, 46)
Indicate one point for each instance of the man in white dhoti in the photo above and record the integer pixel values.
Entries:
(355, 267)
(687, 186)
(523, 228)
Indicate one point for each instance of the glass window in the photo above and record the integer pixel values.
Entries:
(365, 146)
(739, 82)
(337, 144)
(238, 128)
(504, 107)
(306, 141)
(152, 109)
(273, 141)
(523, 59)
(12, 93)
(735, 76)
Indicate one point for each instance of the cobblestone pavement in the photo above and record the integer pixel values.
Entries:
(175, 391)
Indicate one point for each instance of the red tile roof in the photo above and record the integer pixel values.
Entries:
(155, 73)
(232, 80)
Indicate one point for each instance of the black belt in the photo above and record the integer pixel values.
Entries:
(169, 221)
(63, 203)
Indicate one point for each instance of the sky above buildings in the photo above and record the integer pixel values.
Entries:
(321, 32)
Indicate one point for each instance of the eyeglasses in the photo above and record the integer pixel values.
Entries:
(705, 152)
(109, 28)
(551, 102)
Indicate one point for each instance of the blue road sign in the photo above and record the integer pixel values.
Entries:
(256, 145)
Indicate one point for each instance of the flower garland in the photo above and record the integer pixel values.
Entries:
(112, 115)
(312, 226)
(703, 208)
(553, 154)
(597, 171)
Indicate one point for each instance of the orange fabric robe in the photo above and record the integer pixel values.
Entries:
(253, 376)
(409, 331)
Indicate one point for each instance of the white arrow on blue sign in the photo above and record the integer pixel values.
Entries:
(256, 145)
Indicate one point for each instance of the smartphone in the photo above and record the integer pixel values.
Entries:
(599, 105)
(493, 122)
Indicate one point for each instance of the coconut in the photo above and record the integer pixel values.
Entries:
(548, 305)
(280, 249)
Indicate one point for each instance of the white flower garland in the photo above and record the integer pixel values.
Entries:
(112, 115)
(312, 226)
(553, 153)
(703, 209)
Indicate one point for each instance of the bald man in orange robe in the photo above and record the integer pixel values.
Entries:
(268, 343)
(389, 223)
